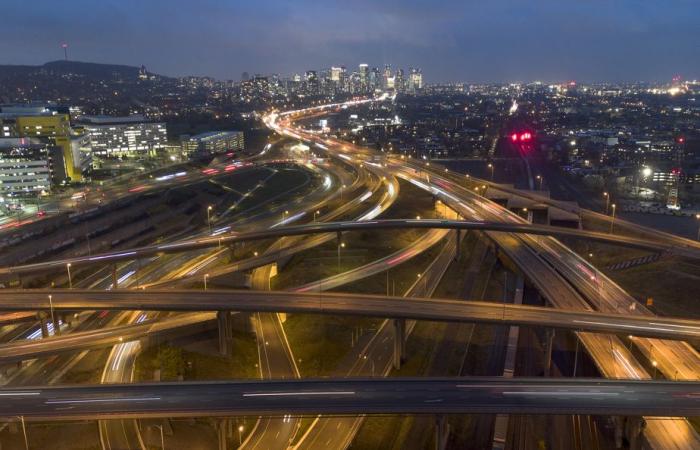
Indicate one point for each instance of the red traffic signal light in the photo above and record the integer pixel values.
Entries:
(525, 136)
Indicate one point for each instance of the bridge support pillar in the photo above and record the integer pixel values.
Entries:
(549, 342)
(618, 421)
(442, 431)
(223, 319)
(57, 324)
(399, 342)
(43, 321)
(222, 434)
(633, 430)
(459, 242)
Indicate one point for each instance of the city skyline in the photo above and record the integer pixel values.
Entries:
(504, 41)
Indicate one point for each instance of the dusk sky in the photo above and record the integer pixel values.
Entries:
(452, 40)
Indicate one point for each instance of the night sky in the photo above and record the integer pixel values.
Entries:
(455, 40)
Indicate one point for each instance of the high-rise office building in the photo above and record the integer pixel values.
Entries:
(415, 80)
(386, 76)
(400, 81)
(375, 79)
(336, 74)
(364, 77)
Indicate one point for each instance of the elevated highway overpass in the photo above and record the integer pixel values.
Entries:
(348, 396)
(309, 303)
(341, 227)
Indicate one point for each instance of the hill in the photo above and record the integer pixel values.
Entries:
(83, 69)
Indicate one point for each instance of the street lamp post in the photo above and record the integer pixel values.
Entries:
(539, 180)
(342, 244)
(209, 208)
(607, 202)
(425, 283)
(491, 166)
(162, 437)
(24, 431)
(697, 216)
(56, 330)
(240, 435)
(206, 275)
(70, 280)
(612, 222)
(315, 214)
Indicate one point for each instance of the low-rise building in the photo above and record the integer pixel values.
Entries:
(212, 143)
(129, 136)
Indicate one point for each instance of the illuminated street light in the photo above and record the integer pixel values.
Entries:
(340, 245)
(607, 202)
(539, 179)
(240, 433)
(612, 222)
(209, 208)
(56, 330)
(492, 167)
(206, 275)
(697, 216)
(315, 214)
(70, 280)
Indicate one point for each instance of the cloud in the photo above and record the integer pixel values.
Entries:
(497, 40)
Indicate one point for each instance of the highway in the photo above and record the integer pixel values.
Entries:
(375, 358)
(349, 304)
(567, 282)
(678, 241)
(348, 396)
(418, 246)
(287, 246)
(575, 288)
(275, 353)
(360, 225)
(103, 337)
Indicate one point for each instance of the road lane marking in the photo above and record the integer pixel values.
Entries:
(281, 394)
(102, 400)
